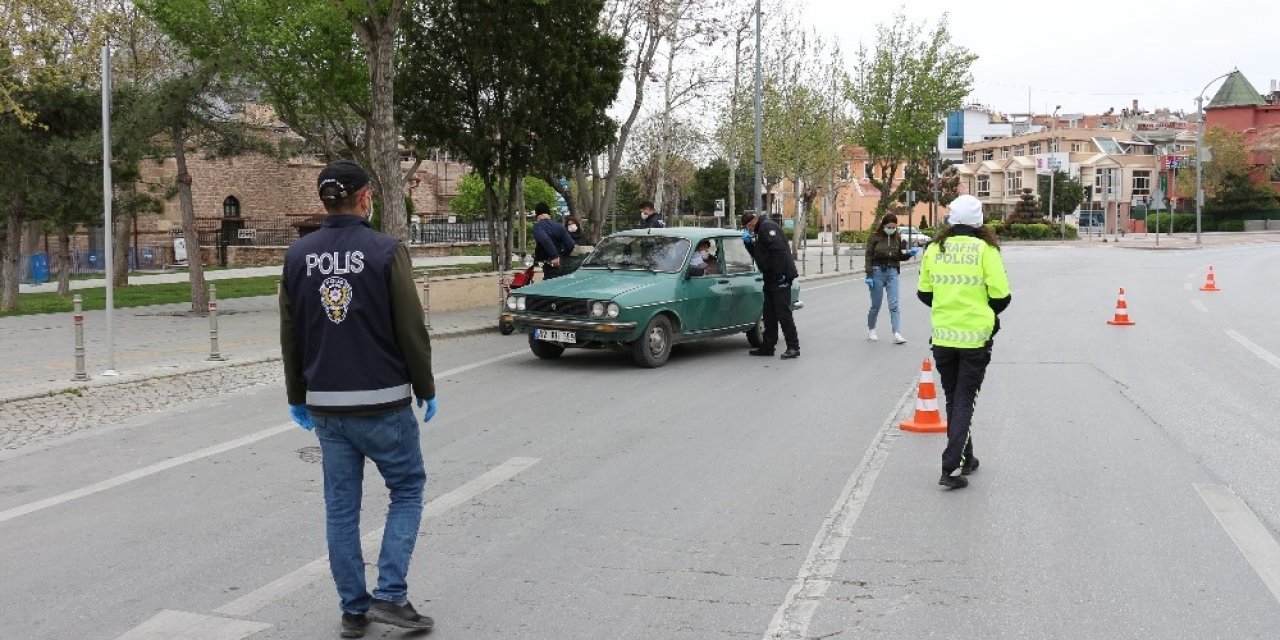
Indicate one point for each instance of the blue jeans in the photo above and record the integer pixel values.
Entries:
(391, 442)
(884, 278)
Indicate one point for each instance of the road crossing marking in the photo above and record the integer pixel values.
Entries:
(260, 598)
(1199, 305)
(1267, 356)
(1251, 537)
(811, 584)
(136, 474)
(167, 625)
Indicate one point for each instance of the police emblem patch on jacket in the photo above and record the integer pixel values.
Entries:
(335, 295)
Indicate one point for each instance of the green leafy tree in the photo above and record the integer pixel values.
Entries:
(509, 110)
(469, 203)
(1068, 193)
(710, 184)
(1236, 193)
(901, 92)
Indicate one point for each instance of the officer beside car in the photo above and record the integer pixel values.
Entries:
(552, 243)
(768, 244)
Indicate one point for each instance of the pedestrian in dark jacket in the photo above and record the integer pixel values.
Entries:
(768, 244)
(649, 219)
(886, 250)
(356, 351)
(552, 243)
(574, 228)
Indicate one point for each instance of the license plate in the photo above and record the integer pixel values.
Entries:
(553, 335)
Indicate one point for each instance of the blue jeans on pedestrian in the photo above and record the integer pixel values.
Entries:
(391, 441)
(884, 278)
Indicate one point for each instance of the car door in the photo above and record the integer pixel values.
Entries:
(745, 281)
(708, 297)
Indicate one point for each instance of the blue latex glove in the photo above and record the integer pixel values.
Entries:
(870, 282)
(915, 251)
(746, 236)
(301, 416)
(431, 409)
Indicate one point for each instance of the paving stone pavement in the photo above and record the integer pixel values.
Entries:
(35, 420)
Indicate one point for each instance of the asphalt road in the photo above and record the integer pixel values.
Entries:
(724, 496)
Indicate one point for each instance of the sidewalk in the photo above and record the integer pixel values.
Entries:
(161, 341)
(228, 274)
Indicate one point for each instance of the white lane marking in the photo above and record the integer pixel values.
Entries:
(797, 609)
(262, 597)
(1199, 305)
(123, 478)
(1251, 537)
(1267, 356)
(143, 472)
(167, 625)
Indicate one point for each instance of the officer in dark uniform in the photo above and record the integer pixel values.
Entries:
(551, 243)
(356, 352)
(769, 245)
(650, 219)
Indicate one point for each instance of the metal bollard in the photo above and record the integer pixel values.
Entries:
(214, 354)
(426, 297)
(78, 315)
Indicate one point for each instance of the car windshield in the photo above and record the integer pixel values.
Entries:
(641, 253)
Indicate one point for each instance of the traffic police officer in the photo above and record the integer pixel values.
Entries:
(773, 254)
(356, 351)
(962, 278)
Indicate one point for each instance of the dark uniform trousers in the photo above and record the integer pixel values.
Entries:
(777, 311)
(962, 371)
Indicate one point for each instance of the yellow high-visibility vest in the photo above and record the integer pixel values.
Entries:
(962, 279)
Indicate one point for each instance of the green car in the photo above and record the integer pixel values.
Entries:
(646, 290)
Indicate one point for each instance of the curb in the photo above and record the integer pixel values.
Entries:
(100, 382)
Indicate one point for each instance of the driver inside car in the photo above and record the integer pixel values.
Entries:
(703, 262)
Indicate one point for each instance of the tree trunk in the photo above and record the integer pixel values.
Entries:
(494, 215)
(121, 234)
(195, 263)
(64, 261)
(798, 235)
(384, 150)
(12, 250)
(660, 181)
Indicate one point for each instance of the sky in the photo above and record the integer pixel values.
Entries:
(1086, 55)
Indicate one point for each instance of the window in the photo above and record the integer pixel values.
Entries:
(988, 154)
(984, 186)
(641, 253)
(1101, 174)
(1275, 173)
(1004, 152)
(1013, 182)
(970, 157)
(1141, 183)
(231, 207)
(736, 257)
(866, 169)
(1035, 148)
(955, 130)
(1077, 146)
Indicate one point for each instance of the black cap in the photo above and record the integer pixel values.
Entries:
(346, 176)
(542, 208)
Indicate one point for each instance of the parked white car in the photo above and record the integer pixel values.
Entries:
(914, 236)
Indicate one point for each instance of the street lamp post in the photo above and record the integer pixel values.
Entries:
(1053, 168)
(1200, 152)
(759, 196)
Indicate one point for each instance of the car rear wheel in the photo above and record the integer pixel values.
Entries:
(755, 335)
(654, 346)
(545, 350)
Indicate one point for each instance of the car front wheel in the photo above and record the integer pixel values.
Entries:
(654, 346)
(545, 350)
(755, 335)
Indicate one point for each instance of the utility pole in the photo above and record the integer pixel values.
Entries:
(1053, 169)
(106, 210)
(759, 179)
(1200, 152)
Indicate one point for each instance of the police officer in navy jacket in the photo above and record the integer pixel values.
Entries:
(356, 353)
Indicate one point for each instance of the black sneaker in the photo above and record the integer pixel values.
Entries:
(354, 625)
(761, 352)
(790, 353)
(969, 468)
(952, 482)
(398, 615)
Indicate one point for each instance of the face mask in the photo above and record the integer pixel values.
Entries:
(704, 254)
(572, 228)
(645, 214)
(890, 230)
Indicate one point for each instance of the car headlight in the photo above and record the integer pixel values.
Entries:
(613, 310)
(597, 309)
(521, 303)
(511, 303)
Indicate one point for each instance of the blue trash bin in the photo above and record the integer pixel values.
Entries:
(39, 268)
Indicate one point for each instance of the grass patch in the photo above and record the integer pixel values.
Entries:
(474, 251)
(140, 295)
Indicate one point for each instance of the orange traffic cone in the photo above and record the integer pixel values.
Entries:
(927, 418)
(1209, 284)
(1122, 312)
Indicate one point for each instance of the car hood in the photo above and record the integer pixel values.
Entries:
(595, 284)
